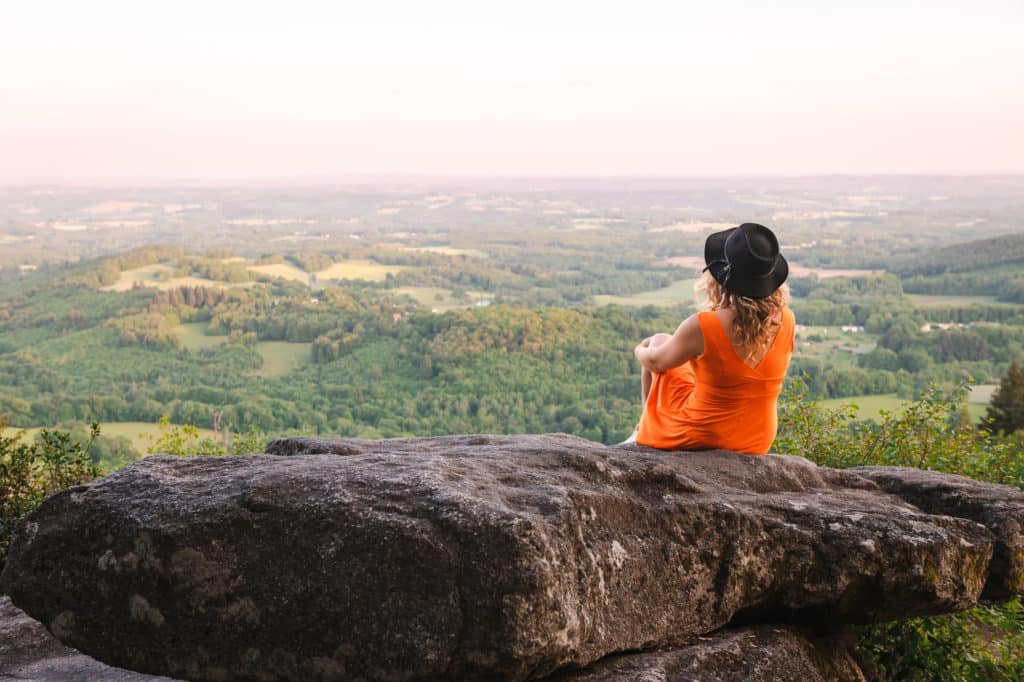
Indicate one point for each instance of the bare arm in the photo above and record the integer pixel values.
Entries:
(687, 343)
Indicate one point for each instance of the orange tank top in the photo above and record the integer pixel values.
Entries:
(717, 401)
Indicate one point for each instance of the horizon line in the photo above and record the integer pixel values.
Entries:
(116, 181)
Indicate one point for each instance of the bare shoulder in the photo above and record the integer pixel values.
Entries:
(690, 327)
(689, 337)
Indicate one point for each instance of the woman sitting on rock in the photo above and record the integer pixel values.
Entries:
(715, 382)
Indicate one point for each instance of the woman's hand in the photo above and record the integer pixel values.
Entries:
(672, 351)
(642, 352)
(642, 349)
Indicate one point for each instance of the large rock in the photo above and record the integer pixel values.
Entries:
(999, 508)
(468, 557)
(762, 653)
(29, 653)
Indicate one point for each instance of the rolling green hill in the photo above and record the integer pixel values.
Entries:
(980, 254)
(984, 267)
(432, 347)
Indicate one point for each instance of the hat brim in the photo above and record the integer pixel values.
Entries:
(739, 283)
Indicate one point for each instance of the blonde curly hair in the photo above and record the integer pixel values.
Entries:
(757, 319)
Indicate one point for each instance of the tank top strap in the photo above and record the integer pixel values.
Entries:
(716, 341)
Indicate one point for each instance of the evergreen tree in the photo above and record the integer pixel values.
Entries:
(1006, 411)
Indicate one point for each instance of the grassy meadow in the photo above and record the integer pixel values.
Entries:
(281, 357)
(872, 406)
(359, 269)
(193, 338)
(141, 434)
(158, 275)
(437, 298)
(154, 276)
(448, 251)
(677, 293)
(281, 271)
(942, 300)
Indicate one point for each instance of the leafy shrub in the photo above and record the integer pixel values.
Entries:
(933, 432)
(57, 459)
(186, 441)
(31, 471)
(985, 643)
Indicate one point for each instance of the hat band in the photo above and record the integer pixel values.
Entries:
(726, 271)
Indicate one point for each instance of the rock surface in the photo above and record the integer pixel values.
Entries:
(999, 508)
(469, 557)
(762, 653)
(30, 654)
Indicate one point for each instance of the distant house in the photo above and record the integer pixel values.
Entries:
(483, 302)
(853, 328)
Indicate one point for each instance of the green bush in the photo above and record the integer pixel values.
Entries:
(984, 643)
(31, 471)
(185, 441)
(57, 459)
(933, 432)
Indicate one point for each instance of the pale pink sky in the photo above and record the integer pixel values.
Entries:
(245, 90)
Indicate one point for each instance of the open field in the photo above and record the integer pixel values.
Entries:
(192, 337)
(982, 393)
(448, 251)
(199, 282)
(436, 298)
(870, 406)
(824, 273)
(149, 275)
(833, 345)
(929, 301)
(692, 227)
(359, 269)
(680, 292)
(697, 263)
(281, 270)
(281, 357)
(141, 434)
(350, 269)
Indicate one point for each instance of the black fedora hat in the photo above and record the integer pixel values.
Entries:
(745, 260)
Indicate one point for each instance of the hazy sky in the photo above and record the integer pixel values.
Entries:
(254, 89)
